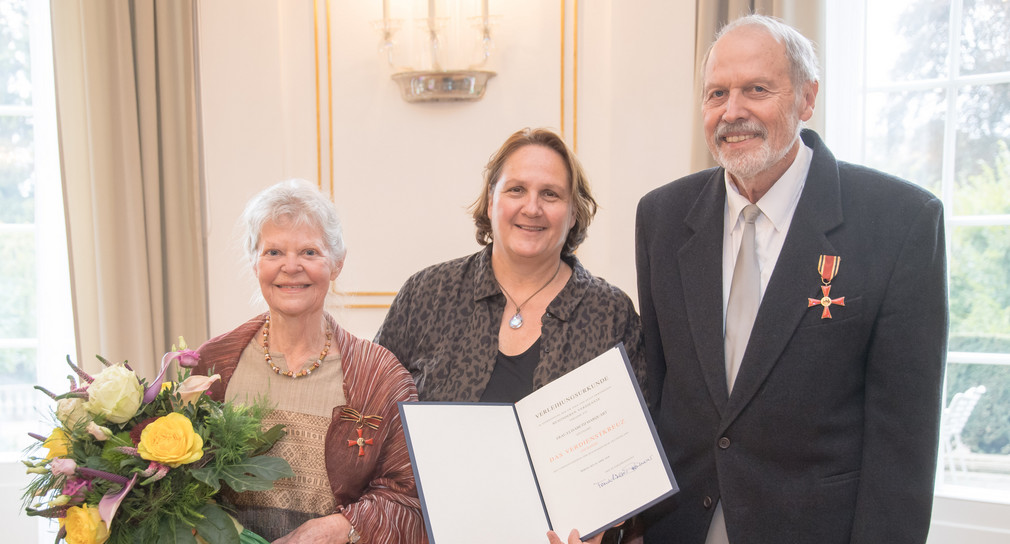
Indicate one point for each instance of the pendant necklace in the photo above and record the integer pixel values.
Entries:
(517, 319)
(288, 373)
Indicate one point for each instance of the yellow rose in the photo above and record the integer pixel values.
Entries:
(58, 444)
(170, 440)
(85, 526)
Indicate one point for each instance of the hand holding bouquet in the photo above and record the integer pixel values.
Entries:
(131, 462)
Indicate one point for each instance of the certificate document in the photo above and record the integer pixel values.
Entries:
(579, 453)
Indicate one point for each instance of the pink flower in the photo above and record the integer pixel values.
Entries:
(192, 387)
(187, 358)
(100, 433)
(63, 467)
(155, 471)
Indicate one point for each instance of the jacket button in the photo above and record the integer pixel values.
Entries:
(724, 443)
(707, 503)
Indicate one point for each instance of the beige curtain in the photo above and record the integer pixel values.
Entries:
(127, 114)
(807, 16)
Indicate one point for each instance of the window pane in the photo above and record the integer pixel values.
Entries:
(17, 165)
(979, 299)
(975, 433)
(16, 89)
(905, 135)
(20, 404)
(985, 37)
(17, 268)
(20, 407)
(983, 158)
(17, 366)
(909, 42)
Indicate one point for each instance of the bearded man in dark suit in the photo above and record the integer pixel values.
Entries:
(814, 420)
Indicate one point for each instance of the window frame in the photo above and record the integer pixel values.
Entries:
(55, 332)
(963, 513)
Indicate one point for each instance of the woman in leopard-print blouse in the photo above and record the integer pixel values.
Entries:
(498, 324)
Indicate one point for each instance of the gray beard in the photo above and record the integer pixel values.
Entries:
(749, 165)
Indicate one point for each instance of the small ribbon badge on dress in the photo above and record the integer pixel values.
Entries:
(372, 422)
(827, 267)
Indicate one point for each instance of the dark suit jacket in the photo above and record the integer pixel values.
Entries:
(830, 434)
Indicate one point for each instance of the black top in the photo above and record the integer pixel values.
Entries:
(512, 377)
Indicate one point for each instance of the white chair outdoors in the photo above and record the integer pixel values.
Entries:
(952, 422)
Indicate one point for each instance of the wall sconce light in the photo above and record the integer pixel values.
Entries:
(436, 40)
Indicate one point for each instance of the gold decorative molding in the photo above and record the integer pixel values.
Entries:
(564, 21)
(364, 295)
(367, 293)
(575, 77)
(319, 92)
(575, 70)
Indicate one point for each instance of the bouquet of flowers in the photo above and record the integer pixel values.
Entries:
(132, 462)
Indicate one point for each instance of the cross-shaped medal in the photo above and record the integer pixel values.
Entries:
(825, 301)
(360, 443)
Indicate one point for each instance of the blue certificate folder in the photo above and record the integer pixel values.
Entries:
(579, 453)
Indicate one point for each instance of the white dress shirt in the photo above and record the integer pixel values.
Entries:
(777, 208)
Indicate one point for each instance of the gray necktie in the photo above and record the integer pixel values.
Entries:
(744, 296)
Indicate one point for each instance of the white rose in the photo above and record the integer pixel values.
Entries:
(71, 412)
(116, 393)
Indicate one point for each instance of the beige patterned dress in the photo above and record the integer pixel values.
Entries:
(305, 407)
(372, 486)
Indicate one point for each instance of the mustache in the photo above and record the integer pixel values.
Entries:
(723, 129)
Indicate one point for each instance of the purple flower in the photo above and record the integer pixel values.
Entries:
(110, 502)
(187, 358)
(75, 485)
(152, 390)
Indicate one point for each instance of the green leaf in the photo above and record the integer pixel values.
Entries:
(174, 531)
(263, 443)
(249, 537)
(216, 527)
(208, 475)
(256, 474)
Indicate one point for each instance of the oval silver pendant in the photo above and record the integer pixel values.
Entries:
(516, 321)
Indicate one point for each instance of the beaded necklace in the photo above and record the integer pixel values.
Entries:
(288, 373)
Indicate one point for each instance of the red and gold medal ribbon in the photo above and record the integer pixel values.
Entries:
(827, 267)
(372, 422)
(350, 414)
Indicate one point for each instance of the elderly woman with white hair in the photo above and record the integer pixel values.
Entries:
(335, 394)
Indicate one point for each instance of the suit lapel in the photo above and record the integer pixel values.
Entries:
(794, 278)
(701, 275)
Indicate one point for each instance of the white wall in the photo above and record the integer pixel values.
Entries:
(405, 173)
